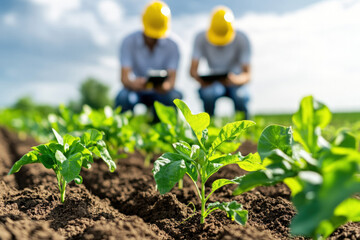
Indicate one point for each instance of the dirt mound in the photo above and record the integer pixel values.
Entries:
(129, 228)
(26, 229)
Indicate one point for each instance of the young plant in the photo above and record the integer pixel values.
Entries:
(322, 176)
(147, 139)
(118, 134)
(199, 162)
(171, 127)
(67, 155)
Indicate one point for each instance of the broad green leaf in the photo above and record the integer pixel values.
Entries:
(346, 140)
(95, 135)
(70, 168)
(60, 157)
(330, 158)
(183, 148)
(273, 139)
(300, 154)
(76, 147)
(220, 183)
(229, 132)
(166, 114)
(87, 160)
(195, 151)
(251, 162)
(233, 210)
(91, 136)
(191, 171)
(30, 157)
(319, 204)
(53, 147)
(105, 156)
(215, 164)
(310, 116)
(168, 169)
(58, 137)
(97, 118)
(47, 154)
(213, 132)
(274, 173)
(198, 122)
(295, 185)
(350, 208)
(68, 139)
(228, 147)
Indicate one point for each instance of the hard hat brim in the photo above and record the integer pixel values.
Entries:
(156, 33)
(217, 40)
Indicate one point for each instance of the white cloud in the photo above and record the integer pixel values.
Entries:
(109, 62)
(101, 20)
(86, 20)
(55, 9)
(311, 51)
(10, 19)
(110, 11)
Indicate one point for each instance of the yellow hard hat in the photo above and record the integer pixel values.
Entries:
(221, 31)
(156, 19)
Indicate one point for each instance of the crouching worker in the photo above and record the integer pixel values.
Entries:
(227, 53)
(149, 52)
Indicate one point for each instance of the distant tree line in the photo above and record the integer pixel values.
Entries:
(92, 93)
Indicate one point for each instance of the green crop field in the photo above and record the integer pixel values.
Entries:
(339, 119)
(314, 152)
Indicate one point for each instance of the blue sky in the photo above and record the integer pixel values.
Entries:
(300, 47)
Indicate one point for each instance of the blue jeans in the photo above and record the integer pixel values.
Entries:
(127, 99)
(211, 93)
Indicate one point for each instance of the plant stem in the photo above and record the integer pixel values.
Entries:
(203, 202)
(63, 191)
(147, 160)
(180, 184)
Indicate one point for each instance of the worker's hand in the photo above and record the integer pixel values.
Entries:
(138, 84)
(236, 79)
(165, 87)
(202, 82)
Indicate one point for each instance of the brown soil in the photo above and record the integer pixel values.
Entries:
(126, 205)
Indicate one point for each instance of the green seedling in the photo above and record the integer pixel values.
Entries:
(323, 176)
(67, 155)
(170, 128)
(118, 134)
(200, 162)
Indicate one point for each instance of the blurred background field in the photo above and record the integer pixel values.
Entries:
(301, 47)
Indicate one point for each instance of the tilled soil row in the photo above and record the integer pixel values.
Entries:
(126, 205)
(30, 205)
(131, 190)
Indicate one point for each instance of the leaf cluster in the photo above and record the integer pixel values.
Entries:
(201, 160)
(118, 134)
(322, 175)
(67, 155)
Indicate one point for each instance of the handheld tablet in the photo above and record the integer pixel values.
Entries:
(213, 77)
(156, 78)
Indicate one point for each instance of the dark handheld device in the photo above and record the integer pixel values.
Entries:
(213, 77)
(156, 78)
